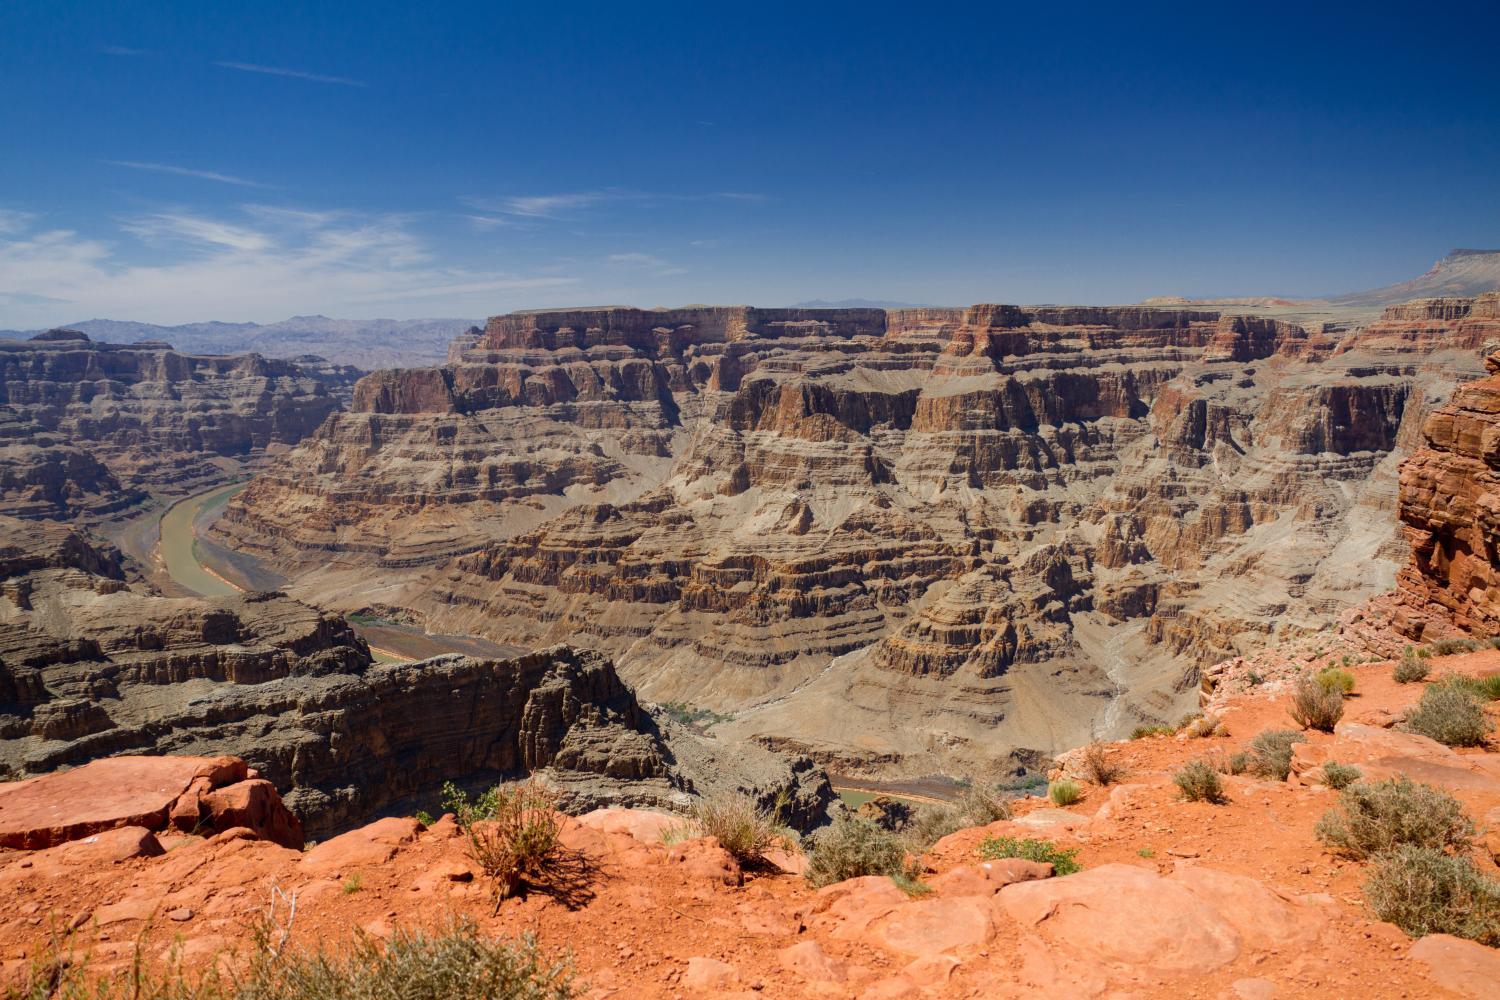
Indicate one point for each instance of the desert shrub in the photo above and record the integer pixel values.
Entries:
(1315, 706)
(518, 839)
(1142, 732)
(1064, 792)
(1199, 782)
(1097, 766)
(1201, 726)
(911, 885)
(1334, 679)
(1340, 776)
(1424, 891)
(1483, 688)
(974, 808)
(853, 846)
(452, 962)
(1272, 752)
(467, 811)
(1411, 669)
(1449, 713)
(742, 827)
(1372, 817)
(1236, 763)
(1448, 647)
(1064, 861)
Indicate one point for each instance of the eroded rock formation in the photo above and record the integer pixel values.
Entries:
(88, 429)
(91, 667)
(969, 530)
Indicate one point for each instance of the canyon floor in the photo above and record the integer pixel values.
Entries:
(1176, 898)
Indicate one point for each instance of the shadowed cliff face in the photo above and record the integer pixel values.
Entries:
(90, 428)
(922, 536)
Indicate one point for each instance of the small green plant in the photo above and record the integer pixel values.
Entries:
(1238, 762)
(424, 817)
(1411, 669)
(1373, 817)
(1315, 706)
(353, 884)
(1064, 792)
(1448, 647)
(911, 885)
(1143, 732)
(854, 846)
(455, 961)
(1334, 679)
(518, 840)
(467, 811)
(1340, 776)
(932, 823)
(1199, 782)
(1064, 861)
(1483, 688)
(1449, 713)
(691, 715)
(742, 827)
(1146, 852)
(1272, 753)
(1254, 679)
(1424, 891)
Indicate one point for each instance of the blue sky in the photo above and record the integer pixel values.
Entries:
(173, 162)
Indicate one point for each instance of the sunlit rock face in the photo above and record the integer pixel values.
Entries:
(88, 429)
(910, 538)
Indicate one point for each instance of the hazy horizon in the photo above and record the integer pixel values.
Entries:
(179, 165)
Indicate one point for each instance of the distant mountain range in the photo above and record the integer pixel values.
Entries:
(363, 343)
(1461, 273)
(857, 304)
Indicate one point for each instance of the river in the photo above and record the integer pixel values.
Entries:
(180, 551)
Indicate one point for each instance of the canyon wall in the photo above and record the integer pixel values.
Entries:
(88, 430)
(91, 667)
(895, 540)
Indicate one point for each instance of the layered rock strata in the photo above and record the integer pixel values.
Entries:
(972, 530)
(91, 667)
(88, 429)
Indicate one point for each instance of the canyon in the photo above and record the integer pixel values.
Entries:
(903, 542)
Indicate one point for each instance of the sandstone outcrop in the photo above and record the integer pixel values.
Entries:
(87, 429)
(1015, 526)
(91, 667)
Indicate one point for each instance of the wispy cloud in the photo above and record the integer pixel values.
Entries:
(297, 74)
(567, 204)
(14, 221)
(258, 262)
(487, 221)
(658, 267)
(205, 175)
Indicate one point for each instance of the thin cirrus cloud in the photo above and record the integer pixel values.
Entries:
(252, 262)
(296, 74)
(567, 204)
(658, 267)
(204, 175)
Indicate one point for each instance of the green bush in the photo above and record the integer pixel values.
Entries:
(1142, 732)
(454, 962)
(974, 808)
(1272, 752)
(1340, 776)
(1064, 792)
(1238, 762)
(853, 846)
(1483, 688)
(1424, 891)
(1064, 861)
(1373, 817)
(1199, 782)
(1448, 647)
(1411, 669)
(1334, 679)
(1315, 706)
(1450, 714)
(741, 826)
